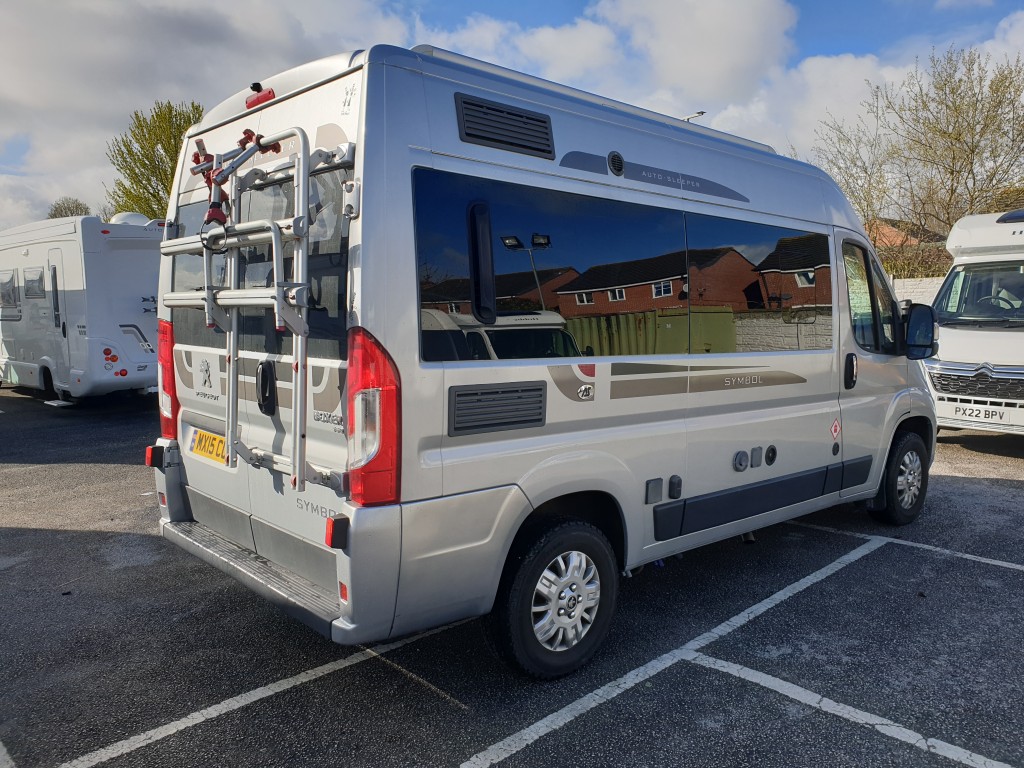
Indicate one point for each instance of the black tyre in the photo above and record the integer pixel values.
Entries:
(48, 389)
(905, 483)
(555, 603)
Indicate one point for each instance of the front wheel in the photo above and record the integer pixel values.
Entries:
(555, 605)
(905, 482)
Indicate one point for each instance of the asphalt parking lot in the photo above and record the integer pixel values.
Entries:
(830, 641)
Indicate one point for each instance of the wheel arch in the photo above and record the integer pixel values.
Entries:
(598, 508)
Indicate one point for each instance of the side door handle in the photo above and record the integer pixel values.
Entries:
(850, 373)
(266, 388)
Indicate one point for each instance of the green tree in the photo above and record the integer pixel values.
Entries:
(943, 143)
(67, 206)
(145, 157)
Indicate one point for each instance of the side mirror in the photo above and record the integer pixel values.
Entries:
(922, 332)
(589, 351)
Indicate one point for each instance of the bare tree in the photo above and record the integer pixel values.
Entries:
(945, 142)
(145, 157)
(67, 206)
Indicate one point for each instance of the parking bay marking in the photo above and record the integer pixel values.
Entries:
(691, 653)
(236, 702)
(916, 545)
(518, 741)
(882, 725)
(5, 757)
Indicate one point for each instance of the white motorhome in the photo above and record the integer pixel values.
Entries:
(78, 305)
(977, 377)
(747, 362)
(515, 336)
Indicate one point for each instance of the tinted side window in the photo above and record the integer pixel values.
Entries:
(551, 248)
(756, 288)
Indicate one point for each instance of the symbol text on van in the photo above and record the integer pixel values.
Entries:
(315, 509)
(743, 381)
(204, 369)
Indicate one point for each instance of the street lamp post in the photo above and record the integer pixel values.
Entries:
(537, 243)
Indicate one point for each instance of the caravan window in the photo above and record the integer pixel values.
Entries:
(10, 299)
(597, 261)
(748, 287)
(35, 284)
(623, 277)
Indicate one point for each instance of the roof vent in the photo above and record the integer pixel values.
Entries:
(498, 125)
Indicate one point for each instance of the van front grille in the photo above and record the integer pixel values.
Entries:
(979, 385)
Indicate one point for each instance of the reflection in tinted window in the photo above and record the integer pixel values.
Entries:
(616, 273)
(596, 262)
(755, 287)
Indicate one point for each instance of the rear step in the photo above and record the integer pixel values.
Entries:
(308, 602)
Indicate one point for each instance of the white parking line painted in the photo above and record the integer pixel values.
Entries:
(882, 725)
(5, 758)
(916, 545)
(518, 741)
(237, 702)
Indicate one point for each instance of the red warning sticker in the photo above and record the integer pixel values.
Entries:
(835, 429)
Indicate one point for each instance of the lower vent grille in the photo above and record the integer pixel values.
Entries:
(496, 407)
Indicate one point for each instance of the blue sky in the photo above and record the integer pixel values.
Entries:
(769, 70)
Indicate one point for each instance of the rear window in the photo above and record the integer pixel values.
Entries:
(328, 270)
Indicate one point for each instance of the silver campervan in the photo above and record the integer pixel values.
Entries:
(706, 345)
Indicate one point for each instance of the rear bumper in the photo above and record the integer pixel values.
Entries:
(308, 602)
(300, 576)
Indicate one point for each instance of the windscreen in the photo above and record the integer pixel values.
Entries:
(983, 294)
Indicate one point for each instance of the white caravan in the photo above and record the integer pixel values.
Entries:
(78, 305)
(516, 336)
(747, 362)
(978, 375)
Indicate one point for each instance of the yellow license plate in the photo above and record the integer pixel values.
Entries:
(208, 445)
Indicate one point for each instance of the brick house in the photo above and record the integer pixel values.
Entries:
(515, 290)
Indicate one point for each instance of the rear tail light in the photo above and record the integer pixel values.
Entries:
(374, 422)
(169, 405)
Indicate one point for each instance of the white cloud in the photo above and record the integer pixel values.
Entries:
(71, 90)
(701, 51)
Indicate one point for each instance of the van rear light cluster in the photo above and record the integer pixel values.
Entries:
(374, 422)
(169, 405)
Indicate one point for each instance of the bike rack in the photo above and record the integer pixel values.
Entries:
(288, 295)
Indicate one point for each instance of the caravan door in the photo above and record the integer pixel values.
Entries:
(57, 346)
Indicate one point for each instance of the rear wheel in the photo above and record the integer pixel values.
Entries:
(48, 390)
(905, 483)
(556, 601)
